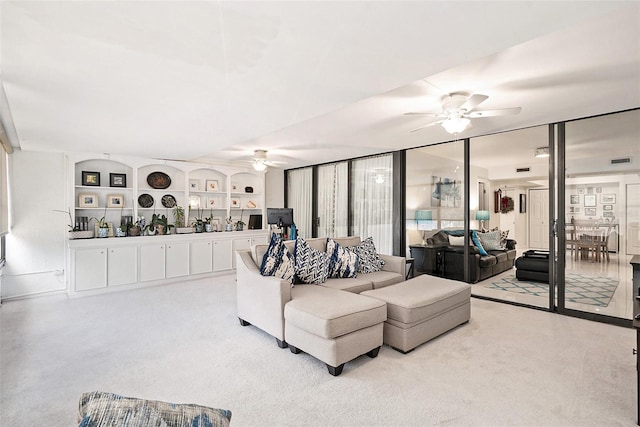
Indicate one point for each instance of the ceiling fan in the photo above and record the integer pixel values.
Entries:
(260, 161)
(457, 110)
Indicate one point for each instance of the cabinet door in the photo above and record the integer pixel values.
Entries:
(222, 255)
(201, 257)
(122, 265)
(177, 260)
(90, 269)
(260, 240)
(151, 262)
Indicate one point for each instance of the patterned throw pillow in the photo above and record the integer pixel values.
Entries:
(369, 259)
(491, 241)
(312, 265)
(343, 262)
(503, 235)
(278, 261)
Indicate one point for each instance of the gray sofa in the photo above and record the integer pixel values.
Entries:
(332, 333)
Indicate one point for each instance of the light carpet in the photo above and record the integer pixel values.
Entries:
(182, 343)
(592, 290)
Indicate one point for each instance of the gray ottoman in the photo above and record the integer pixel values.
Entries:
(333, 326)
(421, 309)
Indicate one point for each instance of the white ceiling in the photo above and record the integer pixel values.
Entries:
(310, 82)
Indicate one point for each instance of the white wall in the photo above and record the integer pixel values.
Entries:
(35, 258)
(274, 188)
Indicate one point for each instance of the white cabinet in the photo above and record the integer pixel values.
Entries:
(122, 265)
(222, 255)
(177, 260)
(90, 269)
(152, 262)
(246, 243)
(201, 257)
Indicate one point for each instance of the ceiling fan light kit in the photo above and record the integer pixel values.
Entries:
(259, 165)
(457, 110)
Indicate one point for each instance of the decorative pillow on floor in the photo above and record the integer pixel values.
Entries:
(278, 261)
(343, 262)
(100, 409)
(491, 241)
(312, 265)
(369, 259)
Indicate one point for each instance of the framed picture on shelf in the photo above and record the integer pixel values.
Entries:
(117, 180)
(576, 209)
(91, 178)
(580, 190)
(115, 201)
(194, 185)
(86, 200)
(235, 202)
(590, 201)
(598, 189)
(607, 198)
(607, 214)
(212, 203)
(235, 187)
(213, 185)
(194, 202)
(607, 207)
(590, 211)
(575, 199)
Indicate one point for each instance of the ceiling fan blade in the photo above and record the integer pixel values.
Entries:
(493, 113)
(420, 113)
(473, 101)
(426, 126)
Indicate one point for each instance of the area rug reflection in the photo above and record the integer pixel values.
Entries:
(592, 290)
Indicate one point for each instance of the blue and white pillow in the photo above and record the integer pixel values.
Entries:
(369, 260)
(491, 241)
(312, 265)
(343, 262)
(278, 261)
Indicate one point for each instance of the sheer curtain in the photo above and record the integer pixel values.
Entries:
(333, 208)
(299, 197)
(372, 200)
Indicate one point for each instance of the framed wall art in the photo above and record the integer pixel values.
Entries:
(86, 200)
(117, 179)
(194, 202)
(213, 185)
(91, 178)
(607, 214)
(212, 203)
(575, 199)
(235, 202)
(115, 201)
(607, 207)
(194, 185)
(607, 198)
(523, 203)
(590, 200)
(590, 211)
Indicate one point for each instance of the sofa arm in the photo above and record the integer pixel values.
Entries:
(510, 243)
(261, 299)
(396, 264)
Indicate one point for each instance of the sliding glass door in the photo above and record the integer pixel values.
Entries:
(600, 214)
(333, 200)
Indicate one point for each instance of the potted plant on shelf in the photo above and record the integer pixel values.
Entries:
(159, 224)
(102, 229)
(208, 222)
(198, 222)
(178, 215)
(229, 226)
(240, 224)
(136, 228)
(74, 230)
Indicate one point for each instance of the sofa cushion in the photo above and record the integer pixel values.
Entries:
(500, 256)
(355, 284)
(329, 313)
(343, 262)
(369, 259)
(487, 261)
(312, 265)
(382, 278)
(277, 260)
(491, 241)
(109, 409)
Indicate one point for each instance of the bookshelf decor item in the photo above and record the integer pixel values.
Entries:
(91, 178)
(118, 180)
(86, 200)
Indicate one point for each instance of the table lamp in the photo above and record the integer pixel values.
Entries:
(482, 216)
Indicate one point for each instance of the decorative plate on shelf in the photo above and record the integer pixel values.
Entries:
(158, 180)
(168, 201)
(145, 200)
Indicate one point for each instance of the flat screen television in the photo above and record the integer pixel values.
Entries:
(282, 217)
(255, 222)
